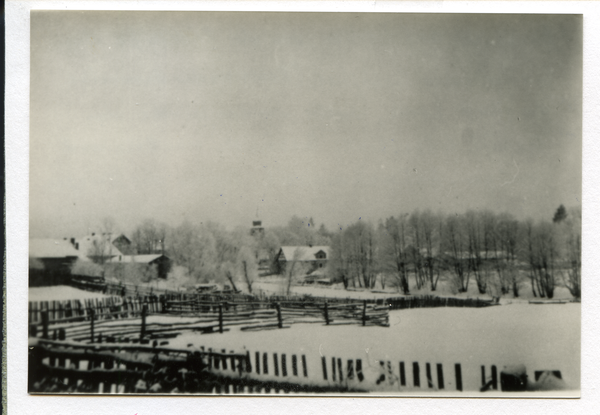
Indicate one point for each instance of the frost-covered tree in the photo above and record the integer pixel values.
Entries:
(149, 237)
(394, 251)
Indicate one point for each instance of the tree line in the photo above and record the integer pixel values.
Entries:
(208, 252)
(493, 251)
(496, 252)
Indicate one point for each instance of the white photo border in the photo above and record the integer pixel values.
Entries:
(17, 15)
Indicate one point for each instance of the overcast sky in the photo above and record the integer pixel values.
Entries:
(211, 116)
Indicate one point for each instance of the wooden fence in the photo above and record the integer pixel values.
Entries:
(117, 319)
(59, 366)
(395, 303)
(430, 301)
(89, 318)
(67, 367)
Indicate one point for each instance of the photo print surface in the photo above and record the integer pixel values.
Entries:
(305, 203)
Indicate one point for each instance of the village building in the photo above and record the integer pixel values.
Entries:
(257, 228)
(311, 258)
(50, 261)
(160, 261)
(102, 247)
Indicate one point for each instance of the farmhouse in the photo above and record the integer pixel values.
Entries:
(102, 247)
(162, 262)
(311, 257)
(50, 261)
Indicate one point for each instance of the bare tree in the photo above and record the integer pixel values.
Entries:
(149, 237)
(394, 251)
(570, 231)
(354, 256)
(456, 243)
(542, 254)
(363, 249)
(431, 226)
(293, 269)
(415, 223)
(475, 237)
(194, 249)
(338, 267)
(507, 239)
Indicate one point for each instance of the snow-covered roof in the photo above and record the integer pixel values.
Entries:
(99, 245)
(140, 259)
(303, 253)
(51, 248)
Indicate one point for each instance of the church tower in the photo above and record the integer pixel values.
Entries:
(257, 228)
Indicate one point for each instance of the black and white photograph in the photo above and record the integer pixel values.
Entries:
(289, 204)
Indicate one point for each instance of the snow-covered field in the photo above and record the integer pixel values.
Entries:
(274, 285)
(60, 293)
(542, 337)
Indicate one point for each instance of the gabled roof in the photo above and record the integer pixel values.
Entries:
(99, 245)
(139, 259)
(302, 253)
(51, 248)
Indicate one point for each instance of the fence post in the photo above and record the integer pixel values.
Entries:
(350, 369)
(483, 380)
(144, 313)
(45, 324)
(402, 374)
(294, 365)
(248, 363)
(326, 314)
(279, 320)
(275, 364)
(458, 375)
(359, 372)
(440, 376)
(92, 314)
(416, 377)
(283, 365)
(265, 364)
(364, 316)
(220, 318)
(305, 372)
(333, 368)
(428, 374)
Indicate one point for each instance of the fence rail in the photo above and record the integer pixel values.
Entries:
(52, 318)
(135, 319)
(61, 366)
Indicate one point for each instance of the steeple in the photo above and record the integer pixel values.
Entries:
(257, 229)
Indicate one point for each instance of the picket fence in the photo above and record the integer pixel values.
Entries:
(60, 366)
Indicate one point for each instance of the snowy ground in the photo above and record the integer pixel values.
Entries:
(276, 285)
(61, 293)
(542, 337)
